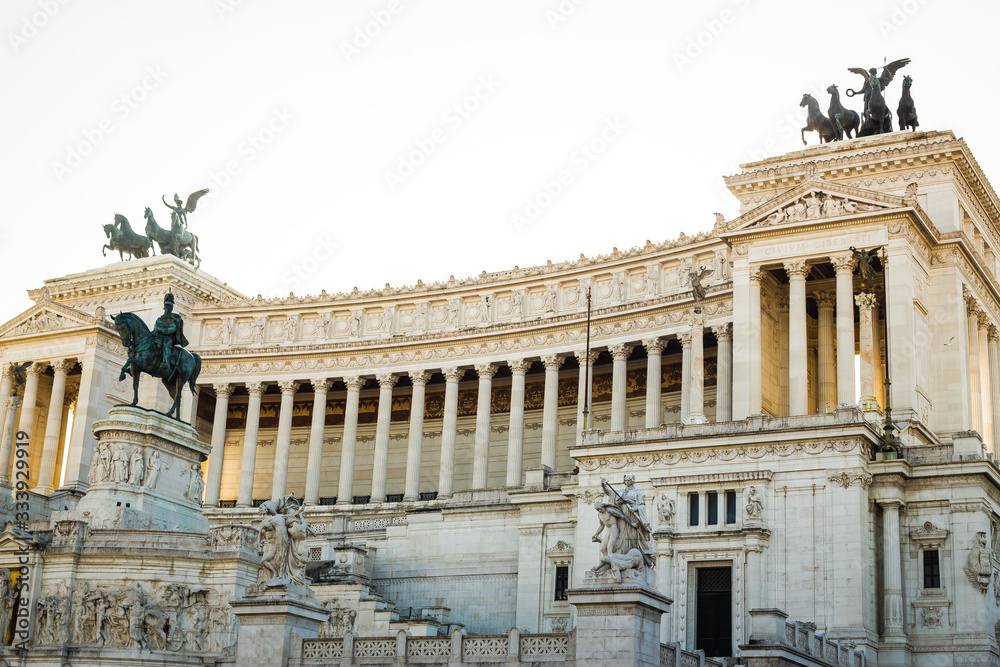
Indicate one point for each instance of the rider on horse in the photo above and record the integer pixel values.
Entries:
(168, 332)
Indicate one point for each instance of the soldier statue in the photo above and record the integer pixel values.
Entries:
(168, 332)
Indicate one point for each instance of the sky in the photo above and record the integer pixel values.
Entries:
(359, 143)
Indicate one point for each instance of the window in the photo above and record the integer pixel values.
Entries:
(713, 508)
(692, 509)
(730, 507)
(562, 581)
(932, 569)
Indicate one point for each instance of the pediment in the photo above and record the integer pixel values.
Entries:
(814, 200)
(45, 317)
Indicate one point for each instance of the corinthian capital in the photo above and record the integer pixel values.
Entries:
(486, 371)
(387, 381)
(844, 263)
(419, 377)
(289, 386)
(321, 385)
(255, 388)
(654, 345)
(518, 366)
(796, 269)
(553, 361)
(354, 382)
(453, 374)
(223, 390)
(620, 351)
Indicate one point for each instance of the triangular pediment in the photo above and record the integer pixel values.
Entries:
(815, 199)
(46, 317)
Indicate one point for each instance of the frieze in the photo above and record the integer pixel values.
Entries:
(849, 478)
(753, 452)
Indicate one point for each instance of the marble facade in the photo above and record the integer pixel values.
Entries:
(436, 433)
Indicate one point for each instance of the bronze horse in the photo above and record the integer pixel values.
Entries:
(175, 241)
(844, 120)
(123, 239)
(144, 358)
(878, 118)
(816, 121)
(906, 111)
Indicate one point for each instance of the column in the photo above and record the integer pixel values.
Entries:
(975, 386)
(746, 340)
(6, 386)
(449, 431)
(754, 354)
(798, 369)
(12, 403)
(985, 390)
(215, 459)
(696, 404)
(619, 386)
(53, 426)
(891, 572)
(415, 442)
(515, 431)
(345, 488)
(245, 498)
(481, 453)
(314, 462)
(866, 302)
(781, 376)
(825, 367)
(685, 338)
(994, 357)
(584, 392)
(844, 265)
(654, 372)
(283, 443)
(380, 467)
(27, 420)
(723, 373)
(550, 409)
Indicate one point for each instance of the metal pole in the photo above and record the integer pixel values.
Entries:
(586, 360)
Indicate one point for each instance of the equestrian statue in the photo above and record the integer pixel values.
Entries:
(159, 353)
(177, 240)
(817, 122)
(906, 112)
(877, 119)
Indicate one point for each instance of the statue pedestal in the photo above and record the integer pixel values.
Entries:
(618, 624)
(145, 475)
(268, 619)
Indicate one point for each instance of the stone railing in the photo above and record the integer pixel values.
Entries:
(772, 638)
(672, 655)
(512, 648)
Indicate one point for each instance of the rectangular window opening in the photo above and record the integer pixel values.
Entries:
(713, 508)
(730, 507)
(562, 581)
(692, 509)
(932, 569)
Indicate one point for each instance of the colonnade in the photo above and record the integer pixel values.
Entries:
(984, 374)
(692, 388)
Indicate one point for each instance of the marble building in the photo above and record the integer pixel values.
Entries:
(448, 440)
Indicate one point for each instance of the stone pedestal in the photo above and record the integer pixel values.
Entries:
(267, 621)
(145, 475)
(617, 624)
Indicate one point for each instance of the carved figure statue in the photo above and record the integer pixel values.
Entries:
(119, 463)
(665, 507)
(617, 288)
(816, 121)
(153, 469)
(159, 353)
(906, 112)
(832, 206)
(813, 205)
(257, 335)
(518, 303)
(196, 486)
(136, 467)
(8, 593)
(844, 120)
(227, 337)
(619, 563)
(282, 540)
(624, 519)
(979, 566)
(755, 503)
(865, 263)
(697, 289)
(550, 300)
(323, 326)
(18, 376)
(355, 324)
(876, 118)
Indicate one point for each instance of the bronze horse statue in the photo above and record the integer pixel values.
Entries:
(878, 118)
(177, 241)
(906, 112)
(844, 120)
(123, 239)
(816, 121)
(144, 356)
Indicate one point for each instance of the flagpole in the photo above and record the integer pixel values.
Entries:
(586, 360)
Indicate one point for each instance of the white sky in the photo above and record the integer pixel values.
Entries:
(225, 70)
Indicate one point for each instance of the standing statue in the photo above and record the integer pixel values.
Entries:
(755, 503)
(179, 210)
(18, 376)
(159, 352)
(817, 122)
(844, 120)
(624, 517)
(697, 289)
(865, 265)
(8, 593)
(282, 541)
(877, 119)
(906, 112)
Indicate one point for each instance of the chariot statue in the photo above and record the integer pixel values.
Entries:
(876, 119)
(177, 240)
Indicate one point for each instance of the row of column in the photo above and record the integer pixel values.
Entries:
(984, 374)
(692, 393)
(27, 402)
